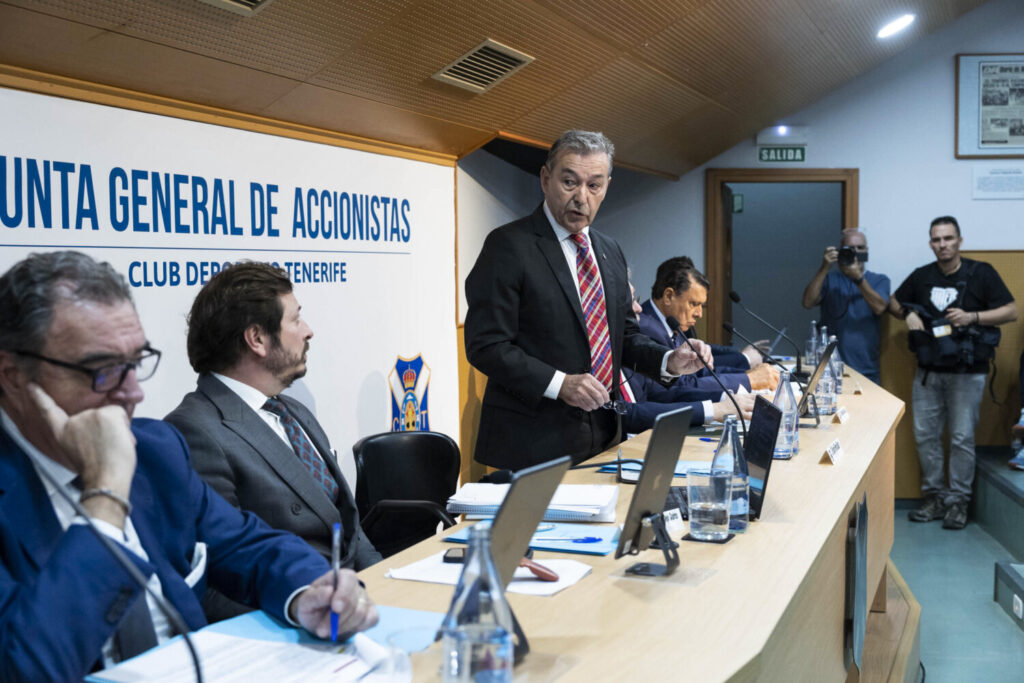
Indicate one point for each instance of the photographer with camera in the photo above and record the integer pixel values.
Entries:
(852, 301)
(952, 308)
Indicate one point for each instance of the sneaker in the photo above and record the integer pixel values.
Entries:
(1017, 461)
(932, 508)
(956, 516)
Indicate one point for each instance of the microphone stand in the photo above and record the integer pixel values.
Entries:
(173, 617)
(674, 324)
(799, 373)
(767, 357)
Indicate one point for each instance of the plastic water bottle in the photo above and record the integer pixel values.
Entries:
(729, 457)
(811, 345)
(787, 444)
(825, 392)
(822, 341)
(477, 631)
(837, 367)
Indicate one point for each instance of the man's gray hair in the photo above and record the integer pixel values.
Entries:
(32, 288)
(581, 142)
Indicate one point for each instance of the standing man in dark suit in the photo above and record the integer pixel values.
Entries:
(262, 451)
(72, 356)
(549, 320)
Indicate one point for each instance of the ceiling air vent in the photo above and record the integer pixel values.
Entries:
(483, 67)
(244, 7)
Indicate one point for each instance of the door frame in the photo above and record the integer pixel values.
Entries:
(716, 260)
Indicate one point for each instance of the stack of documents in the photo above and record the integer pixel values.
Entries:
(631, 470)
(571, 502)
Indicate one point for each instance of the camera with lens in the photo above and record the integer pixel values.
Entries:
(848, 255)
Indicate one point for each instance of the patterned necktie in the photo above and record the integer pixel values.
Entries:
(594, 312)
(303, 448)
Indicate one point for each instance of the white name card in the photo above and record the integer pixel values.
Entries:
(842, 415)
(832, 453)
(673, 520)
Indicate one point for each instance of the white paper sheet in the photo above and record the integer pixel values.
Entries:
(434, 569)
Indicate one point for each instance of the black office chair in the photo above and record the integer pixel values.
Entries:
(403, 481)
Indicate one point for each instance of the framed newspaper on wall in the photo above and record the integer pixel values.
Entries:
(990, 106)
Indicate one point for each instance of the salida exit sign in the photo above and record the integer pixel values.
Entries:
(795, 154)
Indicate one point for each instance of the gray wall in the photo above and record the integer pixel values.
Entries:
(778, 240)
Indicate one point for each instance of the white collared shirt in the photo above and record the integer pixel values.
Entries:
(254, 398)
(66, 516)
(661, 317)
(569, 249)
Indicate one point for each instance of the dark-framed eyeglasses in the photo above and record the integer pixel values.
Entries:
(108, 377)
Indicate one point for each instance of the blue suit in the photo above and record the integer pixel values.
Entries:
(732, 377)
(653, 399)
(62, 594)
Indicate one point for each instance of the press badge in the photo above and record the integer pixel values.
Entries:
(942, 331)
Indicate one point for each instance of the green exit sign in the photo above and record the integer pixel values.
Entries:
(781, 154)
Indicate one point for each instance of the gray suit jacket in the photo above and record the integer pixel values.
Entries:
(242, 458)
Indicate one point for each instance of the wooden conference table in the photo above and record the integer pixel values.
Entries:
(767, 605)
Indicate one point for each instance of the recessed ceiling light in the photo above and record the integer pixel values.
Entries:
(782, 130)
(894, 27)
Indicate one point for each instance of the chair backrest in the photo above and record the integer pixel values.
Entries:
(404, 466)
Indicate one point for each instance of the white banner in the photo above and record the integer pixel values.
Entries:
(368, 240)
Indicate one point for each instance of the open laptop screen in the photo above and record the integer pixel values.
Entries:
(759, 448)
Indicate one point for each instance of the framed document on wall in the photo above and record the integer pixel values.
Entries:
(990, 106)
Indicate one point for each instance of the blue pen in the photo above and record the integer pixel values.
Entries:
(704, 438)
(335, 567)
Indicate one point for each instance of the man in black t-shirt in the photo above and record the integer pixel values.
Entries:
(952, 308)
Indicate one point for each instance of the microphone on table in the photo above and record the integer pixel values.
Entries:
(798, 373)
(676, 327)
(766, 356)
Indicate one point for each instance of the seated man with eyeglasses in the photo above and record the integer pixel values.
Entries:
(72, 354)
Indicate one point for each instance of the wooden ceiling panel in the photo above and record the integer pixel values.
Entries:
(674, 82)
(624, 99)
(395, 64)
(292, 38)
(625, 24)
(852, 27)
(725, 44)
(323, 108)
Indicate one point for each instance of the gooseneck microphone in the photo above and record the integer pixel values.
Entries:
(767, 357)
(674, 324)
(798, 373)
(173, 617)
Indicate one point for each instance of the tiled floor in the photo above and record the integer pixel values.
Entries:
(965, 636)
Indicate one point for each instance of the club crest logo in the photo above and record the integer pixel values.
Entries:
(410, 382)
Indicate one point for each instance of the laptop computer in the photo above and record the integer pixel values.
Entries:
(759, 448)
(812, 383)
(521, 511)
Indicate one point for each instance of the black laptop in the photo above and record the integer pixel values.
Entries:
(759, 448)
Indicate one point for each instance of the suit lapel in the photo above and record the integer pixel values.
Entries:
(552, 250)
(248, 426)
(24, 502)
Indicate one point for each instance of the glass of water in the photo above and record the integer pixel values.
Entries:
(477, 653)
(709, 493)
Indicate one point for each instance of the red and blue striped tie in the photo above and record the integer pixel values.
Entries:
(594, 312)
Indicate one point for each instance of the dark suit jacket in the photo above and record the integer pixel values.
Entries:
(62, 594)
(732, 377)
(525, 322)
(653, 399)
(242, 458)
